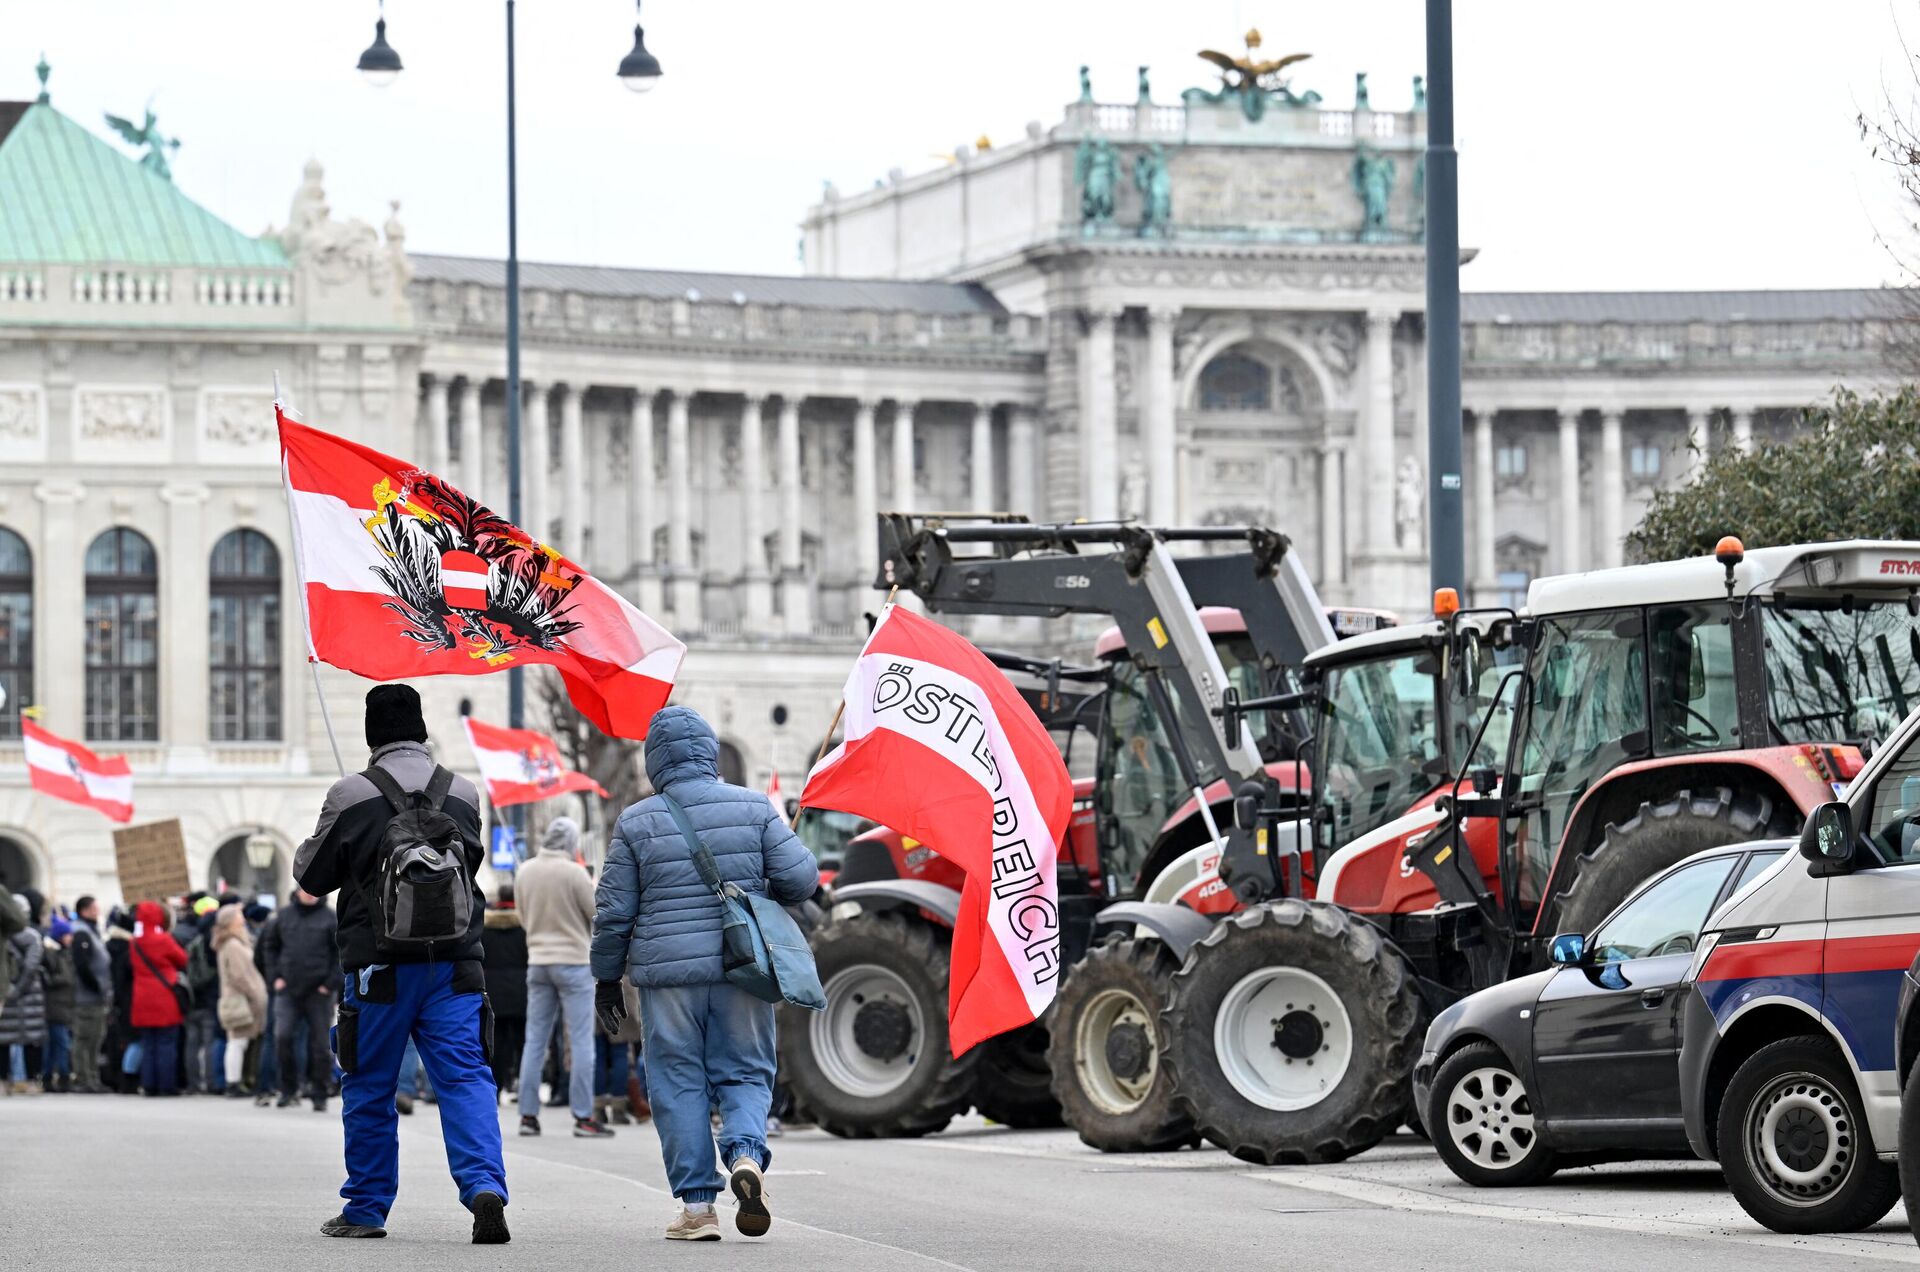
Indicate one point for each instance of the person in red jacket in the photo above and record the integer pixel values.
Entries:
(157, 962)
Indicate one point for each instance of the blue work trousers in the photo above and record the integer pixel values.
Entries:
(446, 1028)
(707, 1047)
(159, 1058)
(559, 989)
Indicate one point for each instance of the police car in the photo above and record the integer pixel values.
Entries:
(1789, 1074)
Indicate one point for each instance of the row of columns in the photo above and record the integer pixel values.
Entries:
(1570, 552)
(673, 583)
(1099, 406)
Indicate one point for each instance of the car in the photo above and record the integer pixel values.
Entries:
(1791, 1058)
(1579, 1063)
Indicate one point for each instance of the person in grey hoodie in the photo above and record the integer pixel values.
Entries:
(555, 900)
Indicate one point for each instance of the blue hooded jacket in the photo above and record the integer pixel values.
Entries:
(653, 918)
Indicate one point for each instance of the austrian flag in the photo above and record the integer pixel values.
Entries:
(522, 765)
(940, 747)
(404, 576)
(66, 770)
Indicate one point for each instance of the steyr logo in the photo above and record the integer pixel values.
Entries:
(1900, 567)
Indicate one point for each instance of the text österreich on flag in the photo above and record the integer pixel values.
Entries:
(522, 765)
(940, 747)
(66, 770)
(404, 575)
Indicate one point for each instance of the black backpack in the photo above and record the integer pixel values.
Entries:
(424, 893)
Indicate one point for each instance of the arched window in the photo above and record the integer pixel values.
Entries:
(243, 639)
(1236, 382)
(16, 630)
(733, 767)
(123, 644)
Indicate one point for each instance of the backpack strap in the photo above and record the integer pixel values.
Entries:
(384, 782)
(437, 787)
(702, 858)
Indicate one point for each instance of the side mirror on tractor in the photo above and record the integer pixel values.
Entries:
(1569, 950)
(1827, 839)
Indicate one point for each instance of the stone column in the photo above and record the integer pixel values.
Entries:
(437, 388)
(903, 500)
(1099, 430)
(866, 493)
(682, 582)
(1376, 439)
(1743, 428)
(1611, 497)
(642, 510)
(753, 515)
(1333, 546)
(1486, 571)
(59, 617)
(1570, 554)
(535, 447)
(1022, 461)
(185, 640)
(471, 470)
(796, 600)
(573, 471)
(1158, 425)
(980, 456)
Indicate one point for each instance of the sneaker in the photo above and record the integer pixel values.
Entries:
(750, 1190)
(490, 1220)
(617, 1114)
(286, 1101)
(529, 1126)
(404, 1103)
(587, 1128)
(688, 1226)
(319, 1104)
(340, 1226)
(774, 1128)
(262, 1100)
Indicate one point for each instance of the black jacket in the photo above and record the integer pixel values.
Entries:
(506, 964)
(300, 945)
(343, 854)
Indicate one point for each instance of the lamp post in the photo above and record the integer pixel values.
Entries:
(1447, 539)
(260, 854)
(639, 71)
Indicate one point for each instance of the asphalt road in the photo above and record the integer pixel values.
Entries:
(197, 1184)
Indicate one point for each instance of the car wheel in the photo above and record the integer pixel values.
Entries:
(1910, 1149)
(1482, 1120)
(1794, 1145)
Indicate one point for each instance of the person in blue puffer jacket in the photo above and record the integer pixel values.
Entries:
(707, 1044)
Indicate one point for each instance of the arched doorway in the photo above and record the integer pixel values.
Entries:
(17, 867)
(733, 767)
(231, 869)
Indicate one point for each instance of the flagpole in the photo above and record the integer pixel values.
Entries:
(838, 711)
(300, 582)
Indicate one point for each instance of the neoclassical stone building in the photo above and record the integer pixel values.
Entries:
(1208, 311)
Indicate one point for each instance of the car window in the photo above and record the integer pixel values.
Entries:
(1665, 918)
(1894, 823)
(1756, 864)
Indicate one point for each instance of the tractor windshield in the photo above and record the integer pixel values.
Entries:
(1840, 671)
(1378, 748)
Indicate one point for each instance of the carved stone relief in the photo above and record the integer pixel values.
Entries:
(237, 420)
(20, 415)
(113, 417)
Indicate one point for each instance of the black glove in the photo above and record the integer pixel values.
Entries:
(609, 1005)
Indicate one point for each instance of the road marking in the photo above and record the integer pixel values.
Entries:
(1395, 1197)
(792, 1223)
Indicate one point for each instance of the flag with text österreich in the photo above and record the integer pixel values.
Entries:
(404, 575)
(68, 771)
(940, 747)
(522, 765)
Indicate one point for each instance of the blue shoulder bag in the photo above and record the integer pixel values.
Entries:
(762, 950)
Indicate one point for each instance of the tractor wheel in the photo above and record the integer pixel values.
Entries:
(1291, 1033)
(876, 1061)
(1105, 1051)
(1655, 837)
(1011, 1085)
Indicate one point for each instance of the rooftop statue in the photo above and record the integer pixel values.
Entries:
(1361, 99)
(1096, 168)
(1146, 90)
(1156, 191)
(1086, 87)
(1419, 93)
(1373, 182)
(1252, 80)
(156, 142)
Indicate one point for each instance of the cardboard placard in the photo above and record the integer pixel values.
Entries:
(151, 861)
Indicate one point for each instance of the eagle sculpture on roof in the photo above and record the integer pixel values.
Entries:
(156, 142)
(1252, 78)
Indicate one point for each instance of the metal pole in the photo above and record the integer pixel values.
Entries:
(1448, 548)
(516, 678)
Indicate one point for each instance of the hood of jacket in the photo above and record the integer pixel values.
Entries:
(681, 747)
(150, 917)
(502, 918)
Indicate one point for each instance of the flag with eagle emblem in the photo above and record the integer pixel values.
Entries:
(404, 575)
(523, 765)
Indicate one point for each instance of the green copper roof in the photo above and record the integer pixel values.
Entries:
(69, 198)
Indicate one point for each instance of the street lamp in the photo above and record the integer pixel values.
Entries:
(639, 70)
(380, 64)
(260, 851)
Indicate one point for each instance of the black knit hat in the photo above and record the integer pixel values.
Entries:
(393, 715)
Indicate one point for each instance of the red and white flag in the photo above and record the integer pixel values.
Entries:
(522, 765)
(940, 747)
(773, 797)
(404, 575)
(66, 770)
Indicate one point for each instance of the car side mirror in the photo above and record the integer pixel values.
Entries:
(1569, 950)
(1827, 839)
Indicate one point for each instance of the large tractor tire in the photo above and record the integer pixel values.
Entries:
(1291, 1033)
(1105, 1050)
(876, 1062)
(1658, 835)
(1011, 1085)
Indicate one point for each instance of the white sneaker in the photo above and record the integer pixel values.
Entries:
(688, 1226)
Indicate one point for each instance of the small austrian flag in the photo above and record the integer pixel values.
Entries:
(68, 771)
(522, 765)
(941, 747)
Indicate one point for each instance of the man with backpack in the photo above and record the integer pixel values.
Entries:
(303, 970)
(401, 843)
(202, 979)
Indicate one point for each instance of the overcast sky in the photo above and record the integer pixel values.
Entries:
(1632, 144)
